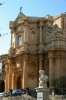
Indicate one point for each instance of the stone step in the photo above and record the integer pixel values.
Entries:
(23, 97)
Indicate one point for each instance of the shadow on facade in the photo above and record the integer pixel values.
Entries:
(2, 86)
(19, 82)
(60, 82)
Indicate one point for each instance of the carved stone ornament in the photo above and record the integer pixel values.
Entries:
(42, 79)
(54, 32)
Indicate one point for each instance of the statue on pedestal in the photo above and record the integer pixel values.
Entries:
(42, 79)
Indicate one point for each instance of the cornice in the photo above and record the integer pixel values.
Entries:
(59, 16)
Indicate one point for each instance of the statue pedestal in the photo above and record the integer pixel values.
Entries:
(42, 93)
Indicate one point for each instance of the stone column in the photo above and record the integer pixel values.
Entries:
(41, 32)
(58, 62)
(7, 78)
(40, 61)
(16, 39)
(25, 72)
(11, 39)
(25, 34)
(13, 81)
(41, 46)
(50, 55)
(25, 37)
(10, 78)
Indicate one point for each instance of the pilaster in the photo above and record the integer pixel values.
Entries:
(25, 72)
(41, 32)
(41, 46)
(58, 68)
(40, 61)
(15, 40)
(12, 38)
(6, 81)
(25, 37)
(50, 56)
(10, 78)
(13, 81)
(25, 34)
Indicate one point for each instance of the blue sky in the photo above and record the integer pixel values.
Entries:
(10, 9)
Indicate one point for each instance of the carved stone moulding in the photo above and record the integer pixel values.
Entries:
(18, 72)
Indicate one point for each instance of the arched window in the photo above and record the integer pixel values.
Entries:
(19, 40)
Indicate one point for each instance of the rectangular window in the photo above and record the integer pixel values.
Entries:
(19, 40)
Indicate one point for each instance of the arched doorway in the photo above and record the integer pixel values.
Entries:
(19, 83)
(2, 86)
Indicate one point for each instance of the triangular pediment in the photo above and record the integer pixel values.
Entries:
(20, 17)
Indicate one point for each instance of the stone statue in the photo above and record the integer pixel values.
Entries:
(42, 79)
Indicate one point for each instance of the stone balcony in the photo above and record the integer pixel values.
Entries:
(17, 50)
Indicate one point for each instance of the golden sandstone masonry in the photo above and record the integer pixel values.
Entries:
(36, 43)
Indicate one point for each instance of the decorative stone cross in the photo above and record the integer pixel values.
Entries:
(20, 9)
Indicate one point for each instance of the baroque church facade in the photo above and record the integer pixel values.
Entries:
(37, 43)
